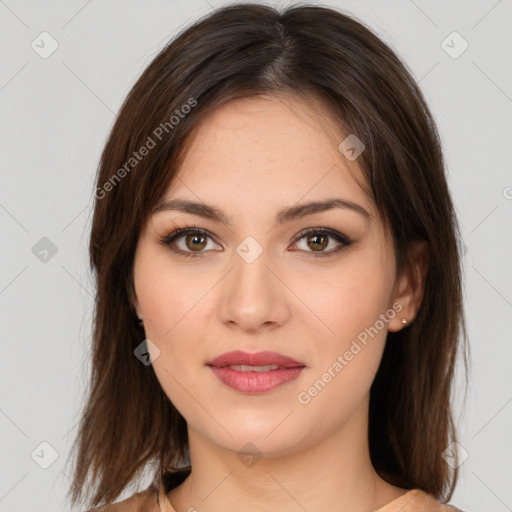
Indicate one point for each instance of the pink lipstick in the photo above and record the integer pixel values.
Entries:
(256, 372)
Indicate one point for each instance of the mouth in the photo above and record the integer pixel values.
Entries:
(255, 360)
(255, 373)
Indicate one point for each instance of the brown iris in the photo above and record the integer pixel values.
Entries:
(195, 238)
(316, 239)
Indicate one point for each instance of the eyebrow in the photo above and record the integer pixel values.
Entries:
(284, 215)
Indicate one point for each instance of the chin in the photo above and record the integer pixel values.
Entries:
(247, 439)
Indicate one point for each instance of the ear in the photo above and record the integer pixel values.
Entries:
(410, 287)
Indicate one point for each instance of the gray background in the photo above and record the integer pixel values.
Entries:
(55, 115)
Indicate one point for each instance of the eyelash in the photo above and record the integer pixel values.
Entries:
(168, 239)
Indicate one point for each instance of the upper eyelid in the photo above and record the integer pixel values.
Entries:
(333, 233)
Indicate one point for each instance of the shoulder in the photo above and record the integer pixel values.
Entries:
(416, 500)
(149, 500)
(431, 504)
(144, 501)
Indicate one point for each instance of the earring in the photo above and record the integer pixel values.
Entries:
(139, 320)
(404, 320)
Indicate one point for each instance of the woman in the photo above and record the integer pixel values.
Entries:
(279, 297)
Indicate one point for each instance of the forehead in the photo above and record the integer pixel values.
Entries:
(274, 146)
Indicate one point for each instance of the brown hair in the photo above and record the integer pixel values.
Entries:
(239, 51)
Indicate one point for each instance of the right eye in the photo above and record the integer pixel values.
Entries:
(193, 238)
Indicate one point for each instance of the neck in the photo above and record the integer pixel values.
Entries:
(335, 473)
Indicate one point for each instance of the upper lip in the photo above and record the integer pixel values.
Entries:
(239, 357)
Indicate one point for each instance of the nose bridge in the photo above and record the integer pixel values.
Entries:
(251, 275)
(253, 296)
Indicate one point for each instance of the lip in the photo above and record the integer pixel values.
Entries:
(253, 382)
(255, 359)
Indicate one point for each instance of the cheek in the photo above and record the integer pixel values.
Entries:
(175, 320)
(168, 297)
(351, 308)
(348, 358)
(351, 301)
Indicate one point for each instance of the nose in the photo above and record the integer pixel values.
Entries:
(253, 296)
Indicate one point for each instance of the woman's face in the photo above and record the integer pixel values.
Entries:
(255, 283)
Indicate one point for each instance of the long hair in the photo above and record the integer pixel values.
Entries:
(243, 51)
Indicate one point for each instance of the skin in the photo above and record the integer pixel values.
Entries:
(251, 158)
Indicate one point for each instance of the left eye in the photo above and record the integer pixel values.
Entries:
(318, 239)
(195, 241)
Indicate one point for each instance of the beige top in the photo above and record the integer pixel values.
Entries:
(154, 499)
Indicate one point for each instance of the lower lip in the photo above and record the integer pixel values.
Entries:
(255, 382)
